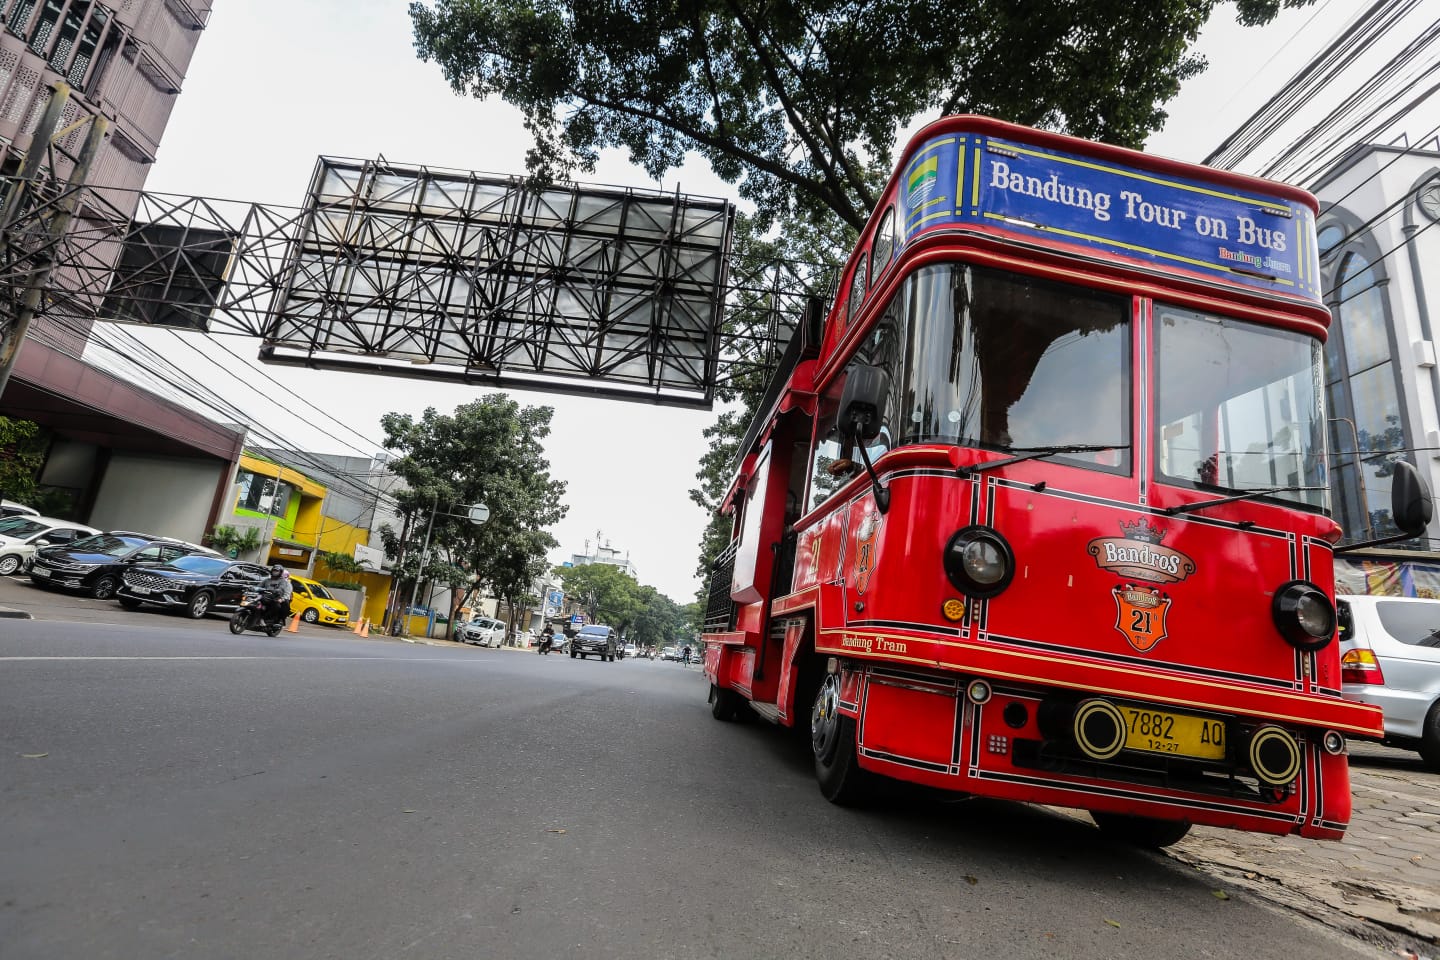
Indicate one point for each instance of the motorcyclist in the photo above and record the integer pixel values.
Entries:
(547, 639)
(275, 595)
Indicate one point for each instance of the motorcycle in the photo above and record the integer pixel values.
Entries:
(248, 616)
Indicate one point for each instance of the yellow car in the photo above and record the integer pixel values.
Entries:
(315, 604)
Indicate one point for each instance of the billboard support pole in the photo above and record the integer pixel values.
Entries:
(12, 334)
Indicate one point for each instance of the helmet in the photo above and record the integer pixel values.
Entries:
(276, 570)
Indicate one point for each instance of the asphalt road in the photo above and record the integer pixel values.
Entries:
(179, 792)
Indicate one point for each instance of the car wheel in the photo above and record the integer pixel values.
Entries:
(1140, 831)
(105, 587)
(311, 615)
(1430, 739)
(199, 605)
(9, 565)
(832, 739)
(129, 603)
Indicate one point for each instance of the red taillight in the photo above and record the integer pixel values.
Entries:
(1360, 666)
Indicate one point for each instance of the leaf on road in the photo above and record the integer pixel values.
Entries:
(1220, 894)
(556, 830)
(971, 880)
(407, 811)
(1113, 923)
(33, 756)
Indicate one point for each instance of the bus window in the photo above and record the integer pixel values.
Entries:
(857, 287)
(884, 244)
(1240, 406)
(1004, 361)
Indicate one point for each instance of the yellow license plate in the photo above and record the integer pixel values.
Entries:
(1178, 734)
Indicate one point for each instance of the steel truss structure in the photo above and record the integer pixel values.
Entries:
(443, 275)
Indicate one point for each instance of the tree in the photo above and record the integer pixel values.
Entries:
(798, 101)
(22, 452)
(608, 594)
(489, 451)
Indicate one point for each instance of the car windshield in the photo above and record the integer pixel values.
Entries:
(594, 631)
(210, 566)
(318, 591)
(20, 527)
(106, 544)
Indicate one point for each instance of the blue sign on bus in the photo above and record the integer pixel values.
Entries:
(1214, 229)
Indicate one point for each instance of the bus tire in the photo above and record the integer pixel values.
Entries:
(832, 739)
(1145, 832)
(725, 704)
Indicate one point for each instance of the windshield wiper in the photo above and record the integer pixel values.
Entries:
(1038, 453)
(1242, 495)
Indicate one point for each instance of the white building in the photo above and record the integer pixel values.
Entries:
(1380, 261)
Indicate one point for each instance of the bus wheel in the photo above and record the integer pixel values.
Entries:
(725, 704)
(832, 738)
(1140, 831)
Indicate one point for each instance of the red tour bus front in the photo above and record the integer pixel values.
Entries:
(1041, 511)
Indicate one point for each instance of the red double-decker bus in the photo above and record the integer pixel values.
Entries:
(1038, 509)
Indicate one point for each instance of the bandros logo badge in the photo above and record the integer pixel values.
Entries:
(1140, 615)
(1140, 609)
(1139, 554)
(865, 550)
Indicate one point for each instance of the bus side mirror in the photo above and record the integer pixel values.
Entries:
(862, 402)
(1411, 505)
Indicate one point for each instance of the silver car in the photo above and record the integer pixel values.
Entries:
(1390, 657)
(485, 631)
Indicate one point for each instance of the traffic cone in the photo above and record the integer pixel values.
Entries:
(294, 624)
(356, 629)
(365, 628)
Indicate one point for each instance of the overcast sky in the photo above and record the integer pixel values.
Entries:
(274, 83)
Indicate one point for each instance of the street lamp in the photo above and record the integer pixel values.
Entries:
(476, 513)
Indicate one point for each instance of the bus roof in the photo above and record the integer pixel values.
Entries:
(979, 180)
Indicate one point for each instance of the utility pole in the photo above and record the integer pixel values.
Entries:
(17, 207)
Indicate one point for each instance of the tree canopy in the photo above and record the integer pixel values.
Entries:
(798, 102)
(489, 451)
(611, 596)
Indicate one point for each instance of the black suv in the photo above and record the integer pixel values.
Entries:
(196, 584)
(96, 564)
(598, 639)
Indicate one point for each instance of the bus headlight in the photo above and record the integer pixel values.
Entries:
(1303, 614)
(978, 561)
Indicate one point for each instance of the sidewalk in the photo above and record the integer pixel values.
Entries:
(1381, 884)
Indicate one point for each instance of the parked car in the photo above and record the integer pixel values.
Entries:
(21, 536)
(1390, 657)
(629, 650)
(9, 508)
(669, 653)
(595, 639)
(96, 564)
(484, 631)
(315, 604)
(196, 584)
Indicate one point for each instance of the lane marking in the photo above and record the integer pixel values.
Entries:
(386, 659)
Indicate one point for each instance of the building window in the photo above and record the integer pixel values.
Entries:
(1368, 428)
(261, 494)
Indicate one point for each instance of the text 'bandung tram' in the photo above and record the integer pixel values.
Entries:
(1040, 511)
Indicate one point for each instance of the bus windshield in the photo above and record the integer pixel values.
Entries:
(1240, 407)
(1009, 362)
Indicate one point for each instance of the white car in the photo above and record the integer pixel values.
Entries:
(21, 536)
(1390, 657)
(484, 631)
(9, 508)
(629, 650)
